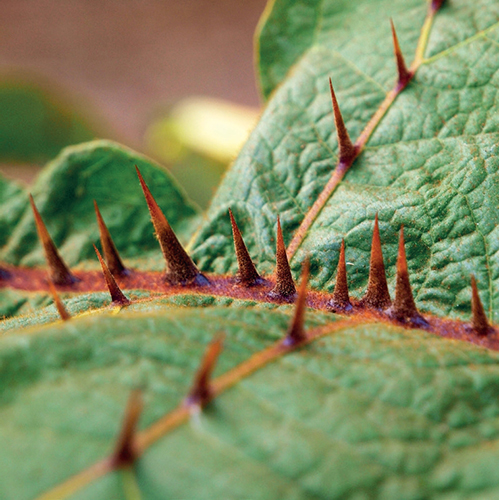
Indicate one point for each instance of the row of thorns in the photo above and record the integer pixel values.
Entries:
(181, 270)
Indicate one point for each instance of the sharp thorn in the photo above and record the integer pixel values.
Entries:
(377, 295)
(404, 308)
(436, 4)
(59, 271)
(111, 255)
(202, 392)
(126, 451)
(247, 274)
(284, 284)
(296, 331)
(403, 73)
(180, 268)
(479, 321)
(346, 150)
(340, 301)
(117, 296)
(63, 312)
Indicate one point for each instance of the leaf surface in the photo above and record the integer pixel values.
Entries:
(431, 163)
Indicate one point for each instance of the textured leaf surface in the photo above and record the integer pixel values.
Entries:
(431, 163)
(368, 410)
(103, 171)
(371, 410)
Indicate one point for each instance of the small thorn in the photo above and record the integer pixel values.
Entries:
(59, 271)
(284, 284)
(202, 392)
(377, 295)
(247, 274)
(346, 150)
(126, 451)
(403, 73)
(296, 331)
(436, 4)
(180, 268)
(117, 296)
(479, 321)
(341, 301)
(63, 312)
(111, 255)
(404, 308)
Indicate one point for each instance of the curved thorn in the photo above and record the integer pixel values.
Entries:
(296, 331)
(479, 321)
(404, 308)
(111, 255)
(284, 284)
(201, 392)
(346, 150)
(247, 274)
(377, 295)
(117, 296)
(180, 268)
(403, 73)
(126, 451)
(63, 312)
(341, 301)
(59, 271)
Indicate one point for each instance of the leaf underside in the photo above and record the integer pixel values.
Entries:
(366, 409)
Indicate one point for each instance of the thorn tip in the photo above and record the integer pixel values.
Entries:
(377, 295)
(111, 255)
(63, 312)
(340, 301)
(404, 308)
(346, 150)
(296, 331)
(202, 391)
(404, 74)
(126, 451)
(117, 296)
(247, 274)
(181, 270)
(479, 321)
(58, 270)
(284, 284)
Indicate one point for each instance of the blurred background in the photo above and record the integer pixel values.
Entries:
(172, 79)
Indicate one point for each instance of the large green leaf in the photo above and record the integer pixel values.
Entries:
(431, 163)
(367, 408)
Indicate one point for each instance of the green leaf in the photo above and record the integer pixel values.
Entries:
(431, 163)
(36, 123)
(103, 171)
(366, 407)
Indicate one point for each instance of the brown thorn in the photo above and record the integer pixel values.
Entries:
(436, 4)
(180, 268)
(117, 296)
(59, 271)
(247, 274)
(111, 255)
(201, 392)
(340, 301)
(377, 295)
(284, 284)
(479, 321)
(296, 331)
(126, 451)
(346, 150)
(63, 312)
(403, 73)
(404, 308)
